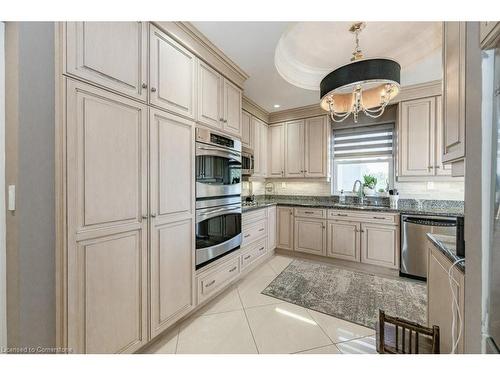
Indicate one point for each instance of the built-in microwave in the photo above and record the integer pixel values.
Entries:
(246, 161)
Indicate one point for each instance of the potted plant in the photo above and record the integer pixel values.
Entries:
(369, 183)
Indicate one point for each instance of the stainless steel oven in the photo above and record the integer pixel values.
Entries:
(246, 161)
(218, 165)
(218, 228)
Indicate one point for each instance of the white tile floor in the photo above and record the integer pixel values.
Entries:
(242, 320)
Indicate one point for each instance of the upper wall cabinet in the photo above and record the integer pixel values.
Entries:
(231, 108)
(276, 158)
(260, 147)
(172, 75)
(246, 130)
(109, 54)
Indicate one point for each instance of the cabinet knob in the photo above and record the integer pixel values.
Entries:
(221, 119)
(153, 89)
(144, 217)
(144, 85)
(153, 215)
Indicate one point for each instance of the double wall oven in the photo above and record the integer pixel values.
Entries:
(218, 196)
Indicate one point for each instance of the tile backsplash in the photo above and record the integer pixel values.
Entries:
(449, 190)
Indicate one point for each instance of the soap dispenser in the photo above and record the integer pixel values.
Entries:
(342, 196)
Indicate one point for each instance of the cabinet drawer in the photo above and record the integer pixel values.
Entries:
(365, 216)
(318, 213)
(253, 253)
(254, 232)
(214, 280)
(255, 215)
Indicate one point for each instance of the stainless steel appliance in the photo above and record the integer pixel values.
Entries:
(218, 228)
(414, 229)
(246, 161)
(218, 165)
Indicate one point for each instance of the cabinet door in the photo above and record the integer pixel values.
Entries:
(440, 298)
(294, 148)
(246, 130)
(380, 245)
(343, 240)
(316, 147)
(310, 236)
(107, 203)
(271, 227)
(454, 43)
(285, 228)
(416, 135)
(263, 149)
(277, 151)
(172, 75)
(259, 147)
(110, 54)
(172, 218)
(209, 96)
(232, 108)
(440, 168)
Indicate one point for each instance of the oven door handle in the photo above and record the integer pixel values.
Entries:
(208, 214)
(219, 152)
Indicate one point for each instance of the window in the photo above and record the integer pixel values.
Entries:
(363, 151)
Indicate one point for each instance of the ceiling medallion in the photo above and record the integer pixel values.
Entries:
(361, 86)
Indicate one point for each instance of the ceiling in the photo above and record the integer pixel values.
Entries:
(287, 60)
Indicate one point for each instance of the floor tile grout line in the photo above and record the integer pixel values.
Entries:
(248, 322)
(316, 347)
(319, 325)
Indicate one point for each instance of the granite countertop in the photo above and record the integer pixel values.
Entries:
(315, 203)
(447, 245)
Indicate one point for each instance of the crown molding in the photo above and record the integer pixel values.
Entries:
(189, 36)
(254, 109)
(420, 90)
(312, 110)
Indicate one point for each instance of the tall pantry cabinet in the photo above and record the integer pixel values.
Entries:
(129, 99)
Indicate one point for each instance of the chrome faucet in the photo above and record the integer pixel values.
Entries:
(359, 192)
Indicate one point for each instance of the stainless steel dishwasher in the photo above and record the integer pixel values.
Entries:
(414, 229)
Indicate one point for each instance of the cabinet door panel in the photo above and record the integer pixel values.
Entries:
(417, 129)
(172, 73)
(310, 236)
(209, 96)
(380, 245)
(343, 240)
(277, 150)
(271, 222)
(294, 149)
(441, 169)
(111, 54)
(232, 108)
(285, 228)
(246, 130)
(316, 147)
(263, 149)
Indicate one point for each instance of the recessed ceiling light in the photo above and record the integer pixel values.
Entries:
(276, 106)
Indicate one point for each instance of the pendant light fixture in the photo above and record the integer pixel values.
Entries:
(361, 86)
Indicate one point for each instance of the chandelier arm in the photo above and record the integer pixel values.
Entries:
(340, 119)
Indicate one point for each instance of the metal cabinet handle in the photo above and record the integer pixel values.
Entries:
(341, 214)
(437, 167)
(144, 85)
(144, 216)
(153, 89)
(246, 236)
(221, 119)
(261, 229)
(210, 283)
(262, 248)
(153, 215)
(233, 269)
(378, 217)
(308, 212)
(247, 257)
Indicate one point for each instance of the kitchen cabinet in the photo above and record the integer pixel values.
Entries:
(489, 34)
(379, 245)
(172, 72)
(310, 235)
(285, 228)
(272, 227)
(294, 148)
(113, 55)
(246, 130)
(420, 130)
(172, 219)
(219, 101)
(276, 150)
(439, 297)
(454, 77)
(343, 240)
(107, 174)
(260, 147)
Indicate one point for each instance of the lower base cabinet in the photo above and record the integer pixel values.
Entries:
(310, 236)
(285, 228)
(271, 227)
(379, 245)
(343, 240)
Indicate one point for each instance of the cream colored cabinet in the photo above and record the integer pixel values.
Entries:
(439, 298)
(294, 148)
(260, 147)
(272, 227)
(172, 219)
(172, 72)
(316, 147)
(110, 54)
(246, 130)
(231, 108)
(343, 240)
(379, 245)
(285, 228)
(276, 151)
(209, 96)
(420, 143)
(454, 71)
(107, 173)
(310, 236)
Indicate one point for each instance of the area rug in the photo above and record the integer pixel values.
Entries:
(349, 295)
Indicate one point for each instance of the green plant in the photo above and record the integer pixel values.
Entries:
(369, 181)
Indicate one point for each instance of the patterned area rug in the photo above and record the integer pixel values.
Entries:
(349, 295)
